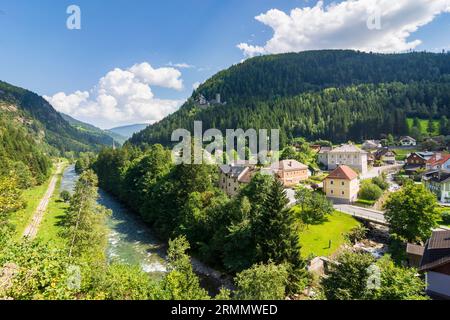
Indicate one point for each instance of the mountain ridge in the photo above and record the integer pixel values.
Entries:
(333, 94)
(43, 118)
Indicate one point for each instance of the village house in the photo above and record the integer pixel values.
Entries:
(435, 264)
(408, 141)
(385, 155)
(414, 253)
(371, 145)
(416, 161)
(439, 161)
(438, 182)
(232, 177)
(347, 154)
(290, 172)
(342, 185)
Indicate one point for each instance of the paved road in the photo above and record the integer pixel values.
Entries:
(363, 213)
(377, 171)
(32, 229)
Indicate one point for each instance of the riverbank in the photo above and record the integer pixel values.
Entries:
(132, 242)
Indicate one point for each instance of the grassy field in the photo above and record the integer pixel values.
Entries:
(49, 229)
(424, 125)
(20, 219)
(403, 153)
(442, 210)
(315, 240)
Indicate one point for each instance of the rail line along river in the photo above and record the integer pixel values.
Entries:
(132, 242)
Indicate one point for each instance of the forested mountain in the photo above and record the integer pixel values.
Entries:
(22, 155)
(39, 116)
(332, 94)
(105, 135)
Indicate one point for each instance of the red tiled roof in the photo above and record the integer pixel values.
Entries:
(343, 172)
(436, 160)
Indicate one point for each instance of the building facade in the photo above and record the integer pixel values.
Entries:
(435, 264)
(342, 185)
(348, 155)
(233, 177)
(385, 155)
(290, 172)
(438, 182)
(408, 141)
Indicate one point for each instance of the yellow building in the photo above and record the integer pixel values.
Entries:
(342, 185)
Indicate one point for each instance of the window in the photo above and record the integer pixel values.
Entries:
(343, 183)
(343, 193)
(331, 182)
(332, 191)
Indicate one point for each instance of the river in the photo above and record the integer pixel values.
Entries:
(131, 242)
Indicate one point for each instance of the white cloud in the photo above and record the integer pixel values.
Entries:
(181, 65)
(122, 97)
(345, 26)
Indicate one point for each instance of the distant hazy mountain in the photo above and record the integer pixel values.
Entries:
(83, 126)
(128, 131)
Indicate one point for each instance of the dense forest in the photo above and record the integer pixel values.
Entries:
(42, 118)
(20, 154)
(336, 95)
(252, 235)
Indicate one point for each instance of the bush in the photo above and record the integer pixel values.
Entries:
(446, 217)
(381, 182)
(370, 191)
(363, 202)
(65, 196)
(356, 234)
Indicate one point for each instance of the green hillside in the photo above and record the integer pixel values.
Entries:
(42, 118)
(104, 135)
(338, 95)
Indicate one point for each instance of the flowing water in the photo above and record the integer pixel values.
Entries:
(130, 240)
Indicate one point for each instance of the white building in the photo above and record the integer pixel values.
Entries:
(371, 145)
(347, 154)
(407, 141)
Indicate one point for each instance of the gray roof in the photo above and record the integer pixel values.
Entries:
(437, 251)
(233, 171)
(347, 148)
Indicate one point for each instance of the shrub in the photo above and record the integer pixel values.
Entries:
(370, 191)
(65, 196)
(446, 217)
(356, 234)
(363, 202)
(381, 182)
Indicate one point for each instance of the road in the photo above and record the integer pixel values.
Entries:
(362, 213)
(377, 171)
(33, 228)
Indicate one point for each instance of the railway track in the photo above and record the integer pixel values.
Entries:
(32, 229)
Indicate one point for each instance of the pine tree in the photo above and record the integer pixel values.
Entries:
(277, 239)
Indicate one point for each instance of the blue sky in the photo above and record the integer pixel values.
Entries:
(39, 53)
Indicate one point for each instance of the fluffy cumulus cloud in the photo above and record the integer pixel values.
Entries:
(122, 97)
(367, 25)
